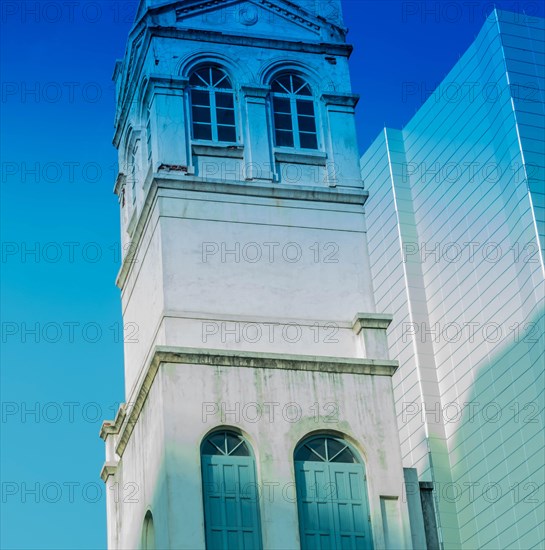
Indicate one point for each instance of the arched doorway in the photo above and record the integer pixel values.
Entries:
(331, 495)
(231, 503)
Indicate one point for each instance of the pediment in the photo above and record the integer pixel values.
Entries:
(263, 18)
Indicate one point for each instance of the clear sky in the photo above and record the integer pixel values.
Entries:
(62, 354)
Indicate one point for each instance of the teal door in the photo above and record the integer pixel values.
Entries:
(231, 500)
(331, 496)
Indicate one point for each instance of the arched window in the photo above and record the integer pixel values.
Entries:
(212, 105)
(148, 533)
(231, 500)
(293, 112)
(331, 495)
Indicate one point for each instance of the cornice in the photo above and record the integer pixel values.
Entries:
(120, 182)
(111, 428)
(341, 100)
(243, 359)
(256, 90)
(371, 320)
(331, 48)
(109, 469)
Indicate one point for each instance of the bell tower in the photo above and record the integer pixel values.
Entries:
(259, 409)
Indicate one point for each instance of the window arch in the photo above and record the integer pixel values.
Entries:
(212, 105)
(231, 499)
(148, 533)
(331, 495)
(293, 112)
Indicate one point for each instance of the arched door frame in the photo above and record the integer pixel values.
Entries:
(230, 490)
(332, 493)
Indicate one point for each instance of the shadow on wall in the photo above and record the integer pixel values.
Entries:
(498, 448)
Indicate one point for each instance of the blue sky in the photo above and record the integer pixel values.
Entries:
(58, 169)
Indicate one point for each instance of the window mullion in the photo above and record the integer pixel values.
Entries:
(295, 122)
(213, 115)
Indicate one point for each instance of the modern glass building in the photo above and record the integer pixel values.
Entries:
(456, 236)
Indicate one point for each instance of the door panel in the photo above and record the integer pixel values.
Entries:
(332, 502)
(230, 503)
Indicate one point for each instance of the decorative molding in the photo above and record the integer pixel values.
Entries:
(315, 159)
(340, 49)
(341, 100)
(109, 469)
(227, 151)
(243, 359)
(112, 427)
(300, 17)
(371, 320)
(255, 91)
(120, 183)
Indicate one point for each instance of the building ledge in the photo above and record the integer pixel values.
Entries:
(243, 359)
(109, 469)
(226, 151)
(278, 361)
(110, 427)
(315, 158)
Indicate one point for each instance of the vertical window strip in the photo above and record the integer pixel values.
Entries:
(294, 114)
(212, 106)
(148, 138)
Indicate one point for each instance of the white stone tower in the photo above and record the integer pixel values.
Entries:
(259, 409)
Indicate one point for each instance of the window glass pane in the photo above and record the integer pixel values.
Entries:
(232, 441)
(202, 131)
(282, 84)
(209, 449)
(220, 79)
(241, 450)
(300, 87)
(318, 445)
(305, 107)
(227, 133)
(201, 114)
(225, 116)
(305, 454)
(308, 141)
(219, 440)
(283, 122)
(224, 100)
(306, 124)
(346, 456)
(200, 97)
(305, 90)
(281, 105)
(334, 446)
(200, 78)
(284, 138)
